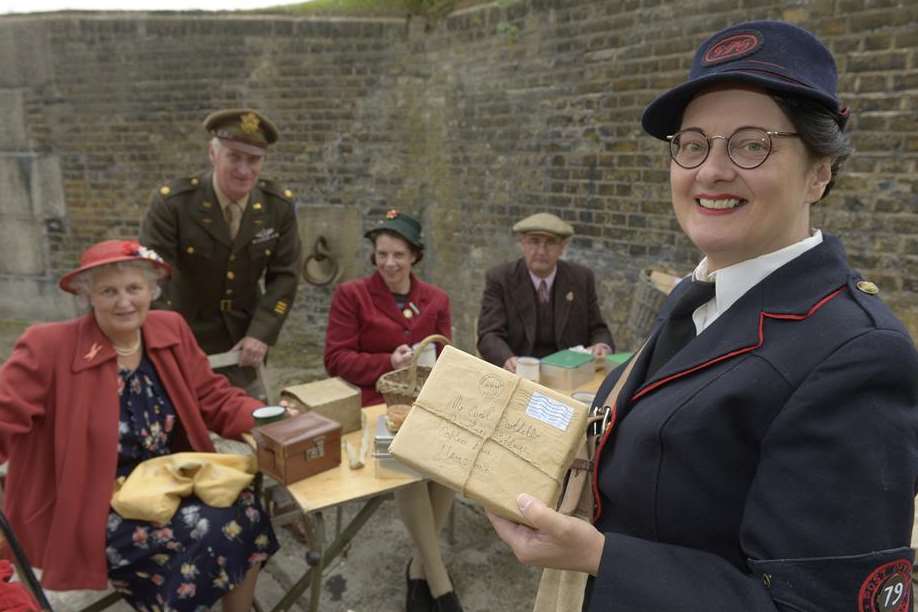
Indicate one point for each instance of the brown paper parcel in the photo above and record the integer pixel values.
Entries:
(489, 434)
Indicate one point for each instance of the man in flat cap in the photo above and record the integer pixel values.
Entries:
(223, 231)
(539, 304)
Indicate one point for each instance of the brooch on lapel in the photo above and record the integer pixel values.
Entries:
(570, 296)
(93, 351)
(410, 310)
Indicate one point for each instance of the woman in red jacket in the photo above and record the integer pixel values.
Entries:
(84, 401)
(374, 321)
(372, 325)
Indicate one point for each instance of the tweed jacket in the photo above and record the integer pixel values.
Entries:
(215, 281)
(507, 320)
(772, 463)
(365, 326)
(59, 412)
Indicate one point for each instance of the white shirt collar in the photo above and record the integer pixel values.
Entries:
(732, 282)
(549, 280)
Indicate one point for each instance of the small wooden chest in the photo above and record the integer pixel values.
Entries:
(298, 447)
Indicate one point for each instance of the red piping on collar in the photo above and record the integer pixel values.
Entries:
(597, 505)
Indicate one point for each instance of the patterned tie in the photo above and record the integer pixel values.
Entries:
(544, 298)
(233, 214)
(679, 329)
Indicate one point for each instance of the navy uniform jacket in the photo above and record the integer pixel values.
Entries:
(772, 463)
(215, 280)
(508, 318)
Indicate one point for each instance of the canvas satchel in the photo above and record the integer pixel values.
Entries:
(562, 590)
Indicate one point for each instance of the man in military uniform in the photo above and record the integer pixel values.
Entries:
(223, 231)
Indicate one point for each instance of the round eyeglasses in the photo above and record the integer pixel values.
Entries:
(747, 147)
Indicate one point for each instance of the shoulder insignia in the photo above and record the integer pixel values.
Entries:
(275, 189)
(888, 588)
(179, 186)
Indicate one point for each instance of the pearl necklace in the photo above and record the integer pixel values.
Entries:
(127, 351)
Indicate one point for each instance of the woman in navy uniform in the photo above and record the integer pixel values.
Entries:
(761, 454)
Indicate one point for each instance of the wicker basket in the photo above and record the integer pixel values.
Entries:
(652, 288)
(401, 387)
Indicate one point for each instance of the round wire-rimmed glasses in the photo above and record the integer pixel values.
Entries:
(748, 147)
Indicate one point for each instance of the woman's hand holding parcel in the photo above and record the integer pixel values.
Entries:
(560, 541)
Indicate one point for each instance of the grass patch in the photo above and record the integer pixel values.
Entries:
(374, 8)
(350, 8)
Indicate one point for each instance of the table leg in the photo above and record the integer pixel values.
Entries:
(312, 578)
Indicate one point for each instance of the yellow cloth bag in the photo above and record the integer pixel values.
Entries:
(153, 490)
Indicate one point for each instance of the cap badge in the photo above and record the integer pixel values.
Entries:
(733, 47)
(391, 214)
(249, 123)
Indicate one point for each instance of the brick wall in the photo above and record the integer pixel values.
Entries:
(471, 122)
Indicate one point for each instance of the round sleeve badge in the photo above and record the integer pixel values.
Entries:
(888, 588)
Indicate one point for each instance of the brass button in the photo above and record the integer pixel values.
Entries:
(165, 190)
(230, 275)
(194, 182)
(232, 258)
(206, 204)
(288, 193)
(190, 250)
(868, 287)
(229, 292)
(257, 206)
(268, 252)
(766, 580)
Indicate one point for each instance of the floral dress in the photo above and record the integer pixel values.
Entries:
(203, 552)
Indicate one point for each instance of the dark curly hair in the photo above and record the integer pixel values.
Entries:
(820, 131)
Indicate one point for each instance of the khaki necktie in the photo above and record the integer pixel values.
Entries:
(233, 214)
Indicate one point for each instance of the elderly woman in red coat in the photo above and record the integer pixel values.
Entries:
(372, 325)
(84, 401)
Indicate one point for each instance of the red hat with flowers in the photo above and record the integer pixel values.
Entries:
(113, 251)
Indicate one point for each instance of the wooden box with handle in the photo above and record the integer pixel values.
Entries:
(298, 447)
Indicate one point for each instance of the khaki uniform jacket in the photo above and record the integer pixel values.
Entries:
(215, 280)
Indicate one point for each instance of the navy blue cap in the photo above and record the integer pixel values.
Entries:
(774, 55)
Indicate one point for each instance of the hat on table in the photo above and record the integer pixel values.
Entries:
(112, 251)
(544, 223)
(244, 127)
(774, 55)
(404, 225)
